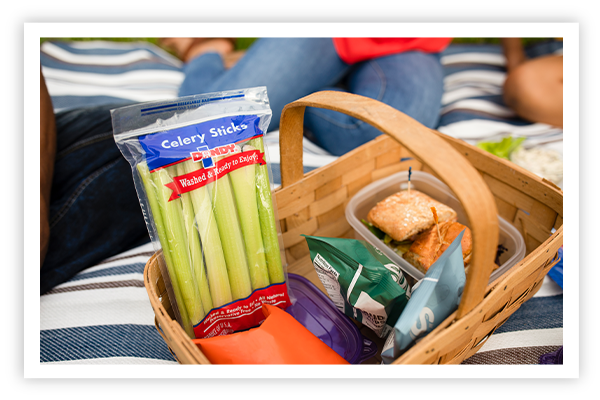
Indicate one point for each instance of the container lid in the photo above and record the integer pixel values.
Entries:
(317, 313)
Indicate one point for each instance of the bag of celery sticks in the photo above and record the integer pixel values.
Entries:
(202, 177)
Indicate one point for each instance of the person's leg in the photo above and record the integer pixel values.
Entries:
(200, 73)
(94, 209)
(534, 90)
(290, 68)
(411, 82)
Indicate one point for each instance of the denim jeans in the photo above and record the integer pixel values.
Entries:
(94, 209)
(291, 68)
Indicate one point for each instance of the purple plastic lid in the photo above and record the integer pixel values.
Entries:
(317, 313)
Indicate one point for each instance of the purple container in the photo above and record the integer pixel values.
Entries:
(317, 313)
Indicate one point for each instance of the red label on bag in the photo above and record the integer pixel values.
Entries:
(243, 313)
(202, 177)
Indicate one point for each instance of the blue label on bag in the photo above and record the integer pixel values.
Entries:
(199, 142)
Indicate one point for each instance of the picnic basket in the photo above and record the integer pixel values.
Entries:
(487, 186)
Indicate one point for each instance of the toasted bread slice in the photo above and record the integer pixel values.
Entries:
(426, 249)
(404, 215)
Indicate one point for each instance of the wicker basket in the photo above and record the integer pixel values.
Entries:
(486, 185)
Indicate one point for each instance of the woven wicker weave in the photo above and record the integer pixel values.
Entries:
(486, 185)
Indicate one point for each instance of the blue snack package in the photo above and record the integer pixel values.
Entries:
(433, 299)
(556, 273)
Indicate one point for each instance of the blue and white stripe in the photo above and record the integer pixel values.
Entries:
(103, 314)
(536, 328)
(94, 73)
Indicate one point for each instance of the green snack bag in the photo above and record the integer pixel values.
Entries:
(362, 282)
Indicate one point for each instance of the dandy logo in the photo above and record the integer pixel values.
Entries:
(206, 155)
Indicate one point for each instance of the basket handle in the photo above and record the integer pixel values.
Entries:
(427, 146)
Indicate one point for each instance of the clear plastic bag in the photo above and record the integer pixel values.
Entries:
(203, 180)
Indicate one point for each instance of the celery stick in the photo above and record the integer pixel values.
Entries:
(266, 213)
(173, 219)
(162, 236)
(194, 246)
(244, 189)
(231, 237)
(216, 268)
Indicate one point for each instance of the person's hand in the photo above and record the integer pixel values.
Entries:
(186, 49)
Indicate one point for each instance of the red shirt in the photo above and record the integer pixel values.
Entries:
(353, 50)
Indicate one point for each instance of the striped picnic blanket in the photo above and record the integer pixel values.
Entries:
(103, 315)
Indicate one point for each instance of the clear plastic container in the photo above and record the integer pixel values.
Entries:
(360, 205)
(317, 313)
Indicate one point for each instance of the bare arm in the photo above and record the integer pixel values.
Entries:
(513, 51)
(47, 155)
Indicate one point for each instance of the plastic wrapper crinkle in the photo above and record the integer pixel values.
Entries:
(433, 299)
(202, 178)
(360, 280)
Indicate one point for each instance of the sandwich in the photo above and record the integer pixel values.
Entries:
(427, 248)
(404, 215)
(407, 225)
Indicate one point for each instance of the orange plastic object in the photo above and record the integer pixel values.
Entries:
(279, 340)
